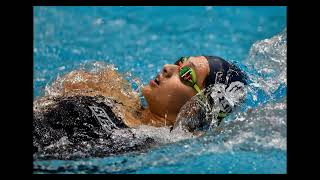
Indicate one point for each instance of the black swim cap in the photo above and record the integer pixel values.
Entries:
(221, 71)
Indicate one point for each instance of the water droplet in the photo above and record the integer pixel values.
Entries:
(154, 37)
(98, 21)
(61, 68)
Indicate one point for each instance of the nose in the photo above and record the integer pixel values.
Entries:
(169, 69)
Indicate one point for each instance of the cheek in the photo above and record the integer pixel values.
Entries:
(178, 94)
(172, 87)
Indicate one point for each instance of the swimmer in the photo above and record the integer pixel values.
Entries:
(91, 114)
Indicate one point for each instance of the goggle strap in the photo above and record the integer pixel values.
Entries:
(197, 88)
(222, 114)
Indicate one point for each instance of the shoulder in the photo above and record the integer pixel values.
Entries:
(78, 108)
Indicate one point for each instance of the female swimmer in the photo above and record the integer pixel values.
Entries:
(91, 119)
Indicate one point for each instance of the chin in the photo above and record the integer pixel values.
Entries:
(146, 91)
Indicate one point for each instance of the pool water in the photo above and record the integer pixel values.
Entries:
(139, 41)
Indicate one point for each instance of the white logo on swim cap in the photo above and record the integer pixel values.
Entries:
(228, 98)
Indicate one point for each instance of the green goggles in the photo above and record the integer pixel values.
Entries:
(187, 74)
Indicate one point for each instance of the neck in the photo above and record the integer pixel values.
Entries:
(146, 117)
(150, 118)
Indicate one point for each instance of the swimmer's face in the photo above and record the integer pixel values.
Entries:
(167, 93)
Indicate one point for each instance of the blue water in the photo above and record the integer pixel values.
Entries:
(141, 40)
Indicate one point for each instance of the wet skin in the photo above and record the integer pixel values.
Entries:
(167, 93)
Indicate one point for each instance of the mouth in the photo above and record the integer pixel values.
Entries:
(155, 82)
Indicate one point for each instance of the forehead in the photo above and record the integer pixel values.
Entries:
(196, 62)
(197, 59)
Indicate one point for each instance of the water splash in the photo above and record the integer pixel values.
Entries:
(256, 129)
(253, 128)
(97, 78)
(201, 112)
(269, 59)
(162, 135)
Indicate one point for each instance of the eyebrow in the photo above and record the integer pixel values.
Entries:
(191, 64)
